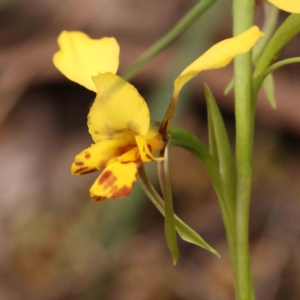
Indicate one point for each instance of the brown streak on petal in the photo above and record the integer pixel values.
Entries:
(104, 176)
(109, 182)
(79, 163)
(113, 189)
(148, 156)
(124, 149)
(122, 192)
(150, 148)
(78, 171)
(98, 198)
(89, 171)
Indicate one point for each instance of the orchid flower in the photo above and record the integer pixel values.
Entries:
(119, 119)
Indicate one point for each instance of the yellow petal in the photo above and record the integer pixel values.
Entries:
(116, 181)
(156, 143)
(119, 111)
(153, 130)
(98, 155)
(132, 155)
(292, 6)
(146, 150)
(81, 57)
(218, 56)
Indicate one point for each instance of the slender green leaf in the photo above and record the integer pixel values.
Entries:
(288, 30)
(165, 183)
(180, 137)
(224, 154)
(191, 236)
(185, 232)
(213, 148)
(268, 86)
(229, 87)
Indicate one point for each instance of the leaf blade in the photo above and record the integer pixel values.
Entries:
(165, 183)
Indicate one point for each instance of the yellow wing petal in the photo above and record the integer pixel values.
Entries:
(98, 155)
(116, 181)
(218, 56)
(81, 57)
(119, 111)
(292, 6)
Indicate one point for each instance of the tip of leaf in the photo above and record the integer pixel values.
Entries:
(175, 260)
(229, 87)
(213, 251)
(206, 90)
(227, 90)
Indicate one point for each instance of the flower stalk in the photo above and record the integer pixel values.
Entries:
(243, 11)
(168, 38)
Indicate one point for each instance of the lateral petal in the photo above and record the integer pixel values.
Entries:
(116, 181)
(292, 6)
(98, 155)
(218, 56)
(81, 57)
(119, 111)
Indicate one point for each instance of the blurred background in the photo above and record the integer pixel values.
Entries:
(56, 243)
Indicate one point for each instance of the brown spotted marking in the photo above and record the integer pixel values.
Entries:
(109, 182)
(79, 171)
(113, 189)
(123, 149)
(126, 162)
(79, 163)
(122, 192)
(98, 198)
(87, 155)
(89, 171)
(105, 176)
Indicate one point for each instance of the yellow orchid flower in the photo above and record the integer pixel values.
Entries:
(119, 120)
(291, 6)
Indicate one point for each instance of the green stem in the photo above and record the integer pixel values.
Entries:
(289, 28)
(282, 63)
(242, 20)
(270, 22)
(168, 38)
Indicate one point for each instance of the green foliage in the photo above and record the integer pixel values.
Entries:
(185, 232)
(268, 86)
(165, 183)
